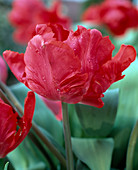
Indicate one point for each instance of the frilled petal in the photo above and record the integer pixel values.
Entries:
(52, 31)
(124, 57)
(14, 129)
(109, 73)
(48, 65)
(69, 83)
(92, 49)
(3, 70)
(16, 63)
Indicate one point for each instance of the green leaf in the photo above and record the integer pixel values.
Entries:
(75, 126)
(53, 141)
(2, 163)
(27, 157)
(6, 166)
(99, 122)
(95, 153)
(81, 165)
(127, 113)
(42, 116)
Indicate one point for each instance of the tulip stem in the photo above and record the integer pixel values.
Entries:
(45, 140)
(67, 136)
(131, 147)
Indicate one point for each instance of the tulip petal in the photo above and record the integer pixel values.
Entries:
(92, 49)
(25, 122)
(16, 63)
(29, 107)
(109, 73)
(70, 83)
(55, 57)
(38, 69)
(14, 129)
(50, 31)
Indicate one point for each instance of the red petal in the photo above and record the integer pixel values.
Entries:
(52, 32)
(92, 49)
(29, 107)
(25, 122)
(45, 31)
(92, 100)
(8, 126)
(62, 60)
(38, 69)
(16, 63)
(10, 138)
(109, 73)
(66, 69)
(125, 56)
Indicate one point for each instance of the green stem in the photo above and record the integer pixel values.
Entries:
(131, 147)
(67, 136)
(45, 140)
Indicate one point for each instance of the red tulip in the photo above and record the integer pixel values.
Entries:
(3, 70)
(70, 66)
(26, 14)
(117, 15)
(14, 129)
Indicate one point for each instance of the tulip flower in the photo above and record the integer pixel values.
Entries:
(13, 129)
(118, 16)
(3, 70)
(25, 15)
(70, 66)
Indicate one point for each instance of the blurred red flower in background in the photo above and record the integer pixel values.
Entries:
(3, 70)
(117, 15)
(14, 129)
(27, 13)
(70, 66)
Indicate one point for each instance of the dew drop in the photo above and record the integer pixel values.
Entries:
(43, 78)
(20, 134)
(37, 51)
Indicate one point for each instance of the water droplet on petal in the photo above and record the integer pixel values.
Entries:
(37, 51)
(43, 78)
